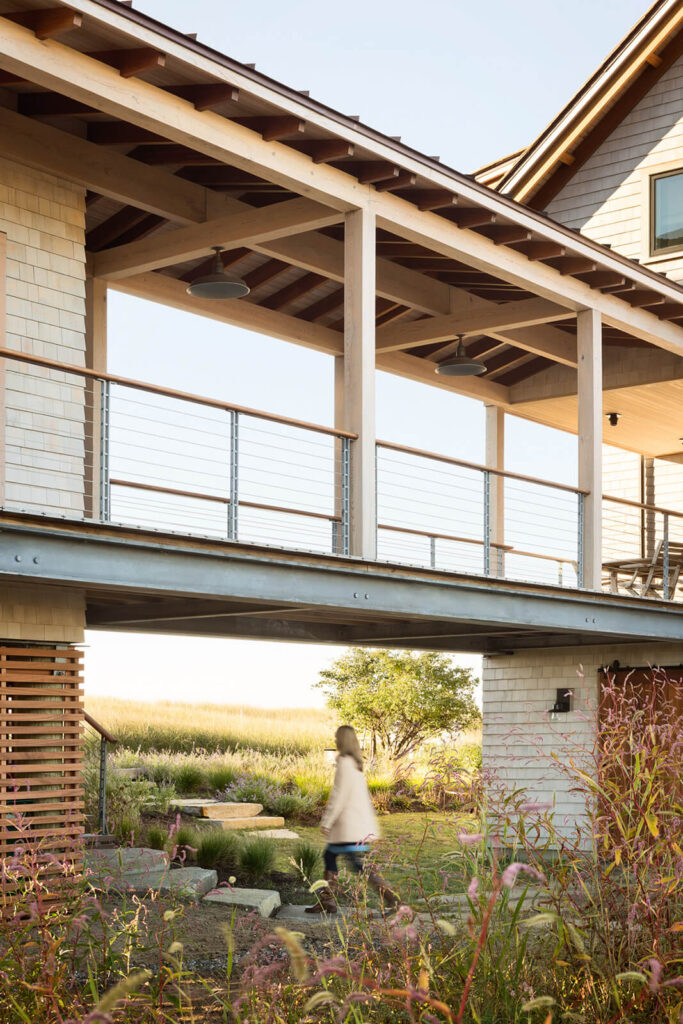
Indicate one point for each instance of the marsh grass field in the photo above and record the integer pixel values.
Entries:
(183, 728)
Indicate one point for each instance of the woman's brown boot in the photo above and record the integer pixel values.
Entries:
(388, 897)
(325, 901)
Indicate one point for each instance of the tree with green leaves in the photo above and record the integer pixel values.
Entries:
(401, 697)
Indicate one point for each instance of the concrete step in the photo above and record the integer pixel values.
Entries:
(266, 901)
(199, 808)
(237, 824)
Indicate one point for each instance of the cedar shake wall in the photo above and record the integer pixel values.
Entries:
(43, 219)
(605, 197)
(519, 689)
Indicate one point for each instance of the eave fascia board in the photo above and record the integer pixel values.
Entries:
(551, 137)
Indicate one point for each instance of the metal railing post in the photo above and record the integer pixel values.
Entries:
(345, 494)
(233, 506)
(487, 523)
(579, 552)
(102, 809)
(665, 557)
(105, 475)
(432, 552)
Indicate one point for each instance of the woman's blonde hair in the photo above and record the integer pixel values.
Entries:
(347, 744)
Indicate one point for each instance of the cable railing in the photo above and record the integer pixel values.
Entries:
(96, 446)
(163, 459)
(459, 516)
(642, 549)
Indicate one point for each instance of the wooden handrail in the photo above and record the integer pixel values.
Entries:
(475, 465)
(644, 507)
(442, 536)
(185, 396)
(509, 549)
(223, 500)
(104, 733)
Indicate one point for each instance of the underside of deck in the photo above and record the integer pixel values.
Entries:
(138, 581)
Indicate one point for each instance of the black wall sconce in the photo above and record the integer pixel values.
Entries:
(562, 705)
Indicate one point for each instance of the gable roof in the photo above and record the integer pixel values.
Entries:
(536, 174)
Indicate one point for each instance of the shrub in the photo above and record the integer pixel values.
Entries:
(216, 849)
(189, 778)
(220, 777)
(257, 857)
(468, 757)
(156, 837)
(291, 805)
(306, 861)
(252, 789)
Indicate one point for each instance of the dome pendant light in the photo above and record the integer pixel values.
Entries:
(460, 364)
(218, 285)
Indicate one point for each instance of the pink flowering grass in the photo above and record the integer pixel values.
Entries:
(535, 920)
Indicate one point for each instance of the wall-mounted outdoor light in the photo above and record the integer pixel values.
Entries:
(562, 705)
(460, 364)
(220, 284)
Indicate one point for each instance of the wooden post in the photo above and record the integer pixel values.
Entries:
(95, 359)
(495, 457)
(339, 423)
(589, 352)
(3, 365)
(359, 376)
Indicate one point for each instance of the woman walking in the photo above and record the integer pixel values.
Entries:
(349, 824)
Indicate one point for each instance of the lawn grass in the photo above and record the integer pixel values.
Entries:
(415, 852)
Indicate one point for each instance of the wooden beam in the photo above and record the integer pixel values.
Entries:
(471, 217)
(111, 174)
(131, 62)
(319, 309)
(89, 82)
(323, 151)
(274, 127)
(110, 230)
(295, 290)
(402, 179)
(267, 272)
(237, 312)
(539, 250)
(206, 96)
(431, 198)
(229, 231)
(508, 315)
(523, 372)
(369, 172)
(48, 23)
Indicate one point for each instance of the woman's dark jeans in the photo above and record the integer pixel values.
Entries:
(354, 857)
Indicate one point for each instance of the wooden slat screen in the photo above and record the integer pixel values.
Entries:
(41, 754)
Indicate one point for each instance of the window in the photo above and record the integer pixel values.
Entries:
(666, 215)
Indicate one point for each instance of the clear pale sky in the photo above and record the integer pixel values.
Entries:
(466, 81)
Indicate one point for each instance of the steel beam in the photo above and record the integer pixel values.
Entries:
(118, 565)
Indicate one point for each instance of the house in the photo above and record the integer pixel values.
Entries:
(610, 166)
(135, 158)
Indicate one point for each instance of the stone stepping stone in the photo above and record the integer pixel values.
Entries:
(234, 824)
(125, 865)
(266, 901)
(214, 809)
(188, 883)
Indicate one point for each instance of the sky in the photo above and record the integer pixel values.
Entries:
(467, 82)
